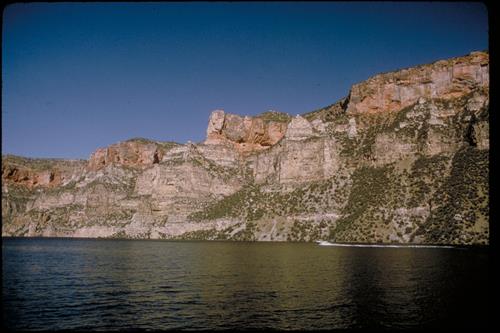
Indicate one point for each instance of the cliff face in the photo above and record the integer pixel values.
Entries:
(246, 133)
(137, 153)
(446, 79)
(39, 173)
(403, 158)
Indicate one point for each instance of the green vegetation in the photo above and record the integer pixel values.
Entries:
(251, 203)
(368, 127)
(17, 190)
(360, 215)
(328, 113)
(39, 164)
(425, 176)
(117, 215)
(167, 145)
(120, 234)
(401, 116)
(140, 140)
(57, 217)
(275, 116)
(232, 206)
(103, 185)
(306, 231)
(247, 234)
(214, 169)
(164, 145)
(462, 201)
(210, 234)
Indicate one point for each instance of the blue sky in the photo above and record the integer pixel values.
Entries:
(76, 77)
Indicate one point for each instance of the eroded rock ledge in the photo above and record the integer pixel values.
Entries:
(445, 79)
(33, 173)
(246, 133)
(136, 153)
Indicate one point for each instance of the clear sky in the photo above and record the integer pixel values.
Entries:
(76, 77)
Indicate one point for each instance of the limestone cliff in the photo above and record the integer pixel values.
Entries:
(403, 158)
(136, 152)
(246, 133)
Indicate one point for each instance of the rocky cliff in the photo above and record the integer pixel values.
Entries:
(403, 158)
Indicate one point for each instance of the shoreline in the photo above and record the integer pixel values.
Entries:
(361, 245)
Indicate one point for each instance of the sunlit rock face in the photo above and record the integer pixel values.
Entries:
(299, 129)
(39, 173)
(445, 79)
(403, 158)
(246, 134)
(138, 153)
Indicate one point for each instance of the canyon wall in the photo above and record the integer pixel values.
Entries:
(402, 159)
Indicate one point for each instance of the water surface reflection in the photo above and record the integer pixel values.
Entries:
(112, 284)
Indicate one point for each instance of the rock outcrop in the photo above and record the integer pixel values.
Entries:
(299, 129)
(34, 173)
(443, 79)
(246, 133)
(403, 158)
(138, 153)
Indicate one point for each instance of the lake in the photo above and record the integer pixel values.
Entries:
(55, 283)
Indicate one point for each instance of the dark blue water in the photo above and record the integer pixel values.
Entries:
(120, 284)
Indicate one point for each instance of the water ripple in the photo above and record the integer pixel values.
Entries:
(54, 284)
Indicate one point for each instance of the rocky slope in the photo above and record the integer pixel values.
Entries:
(403, 158)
